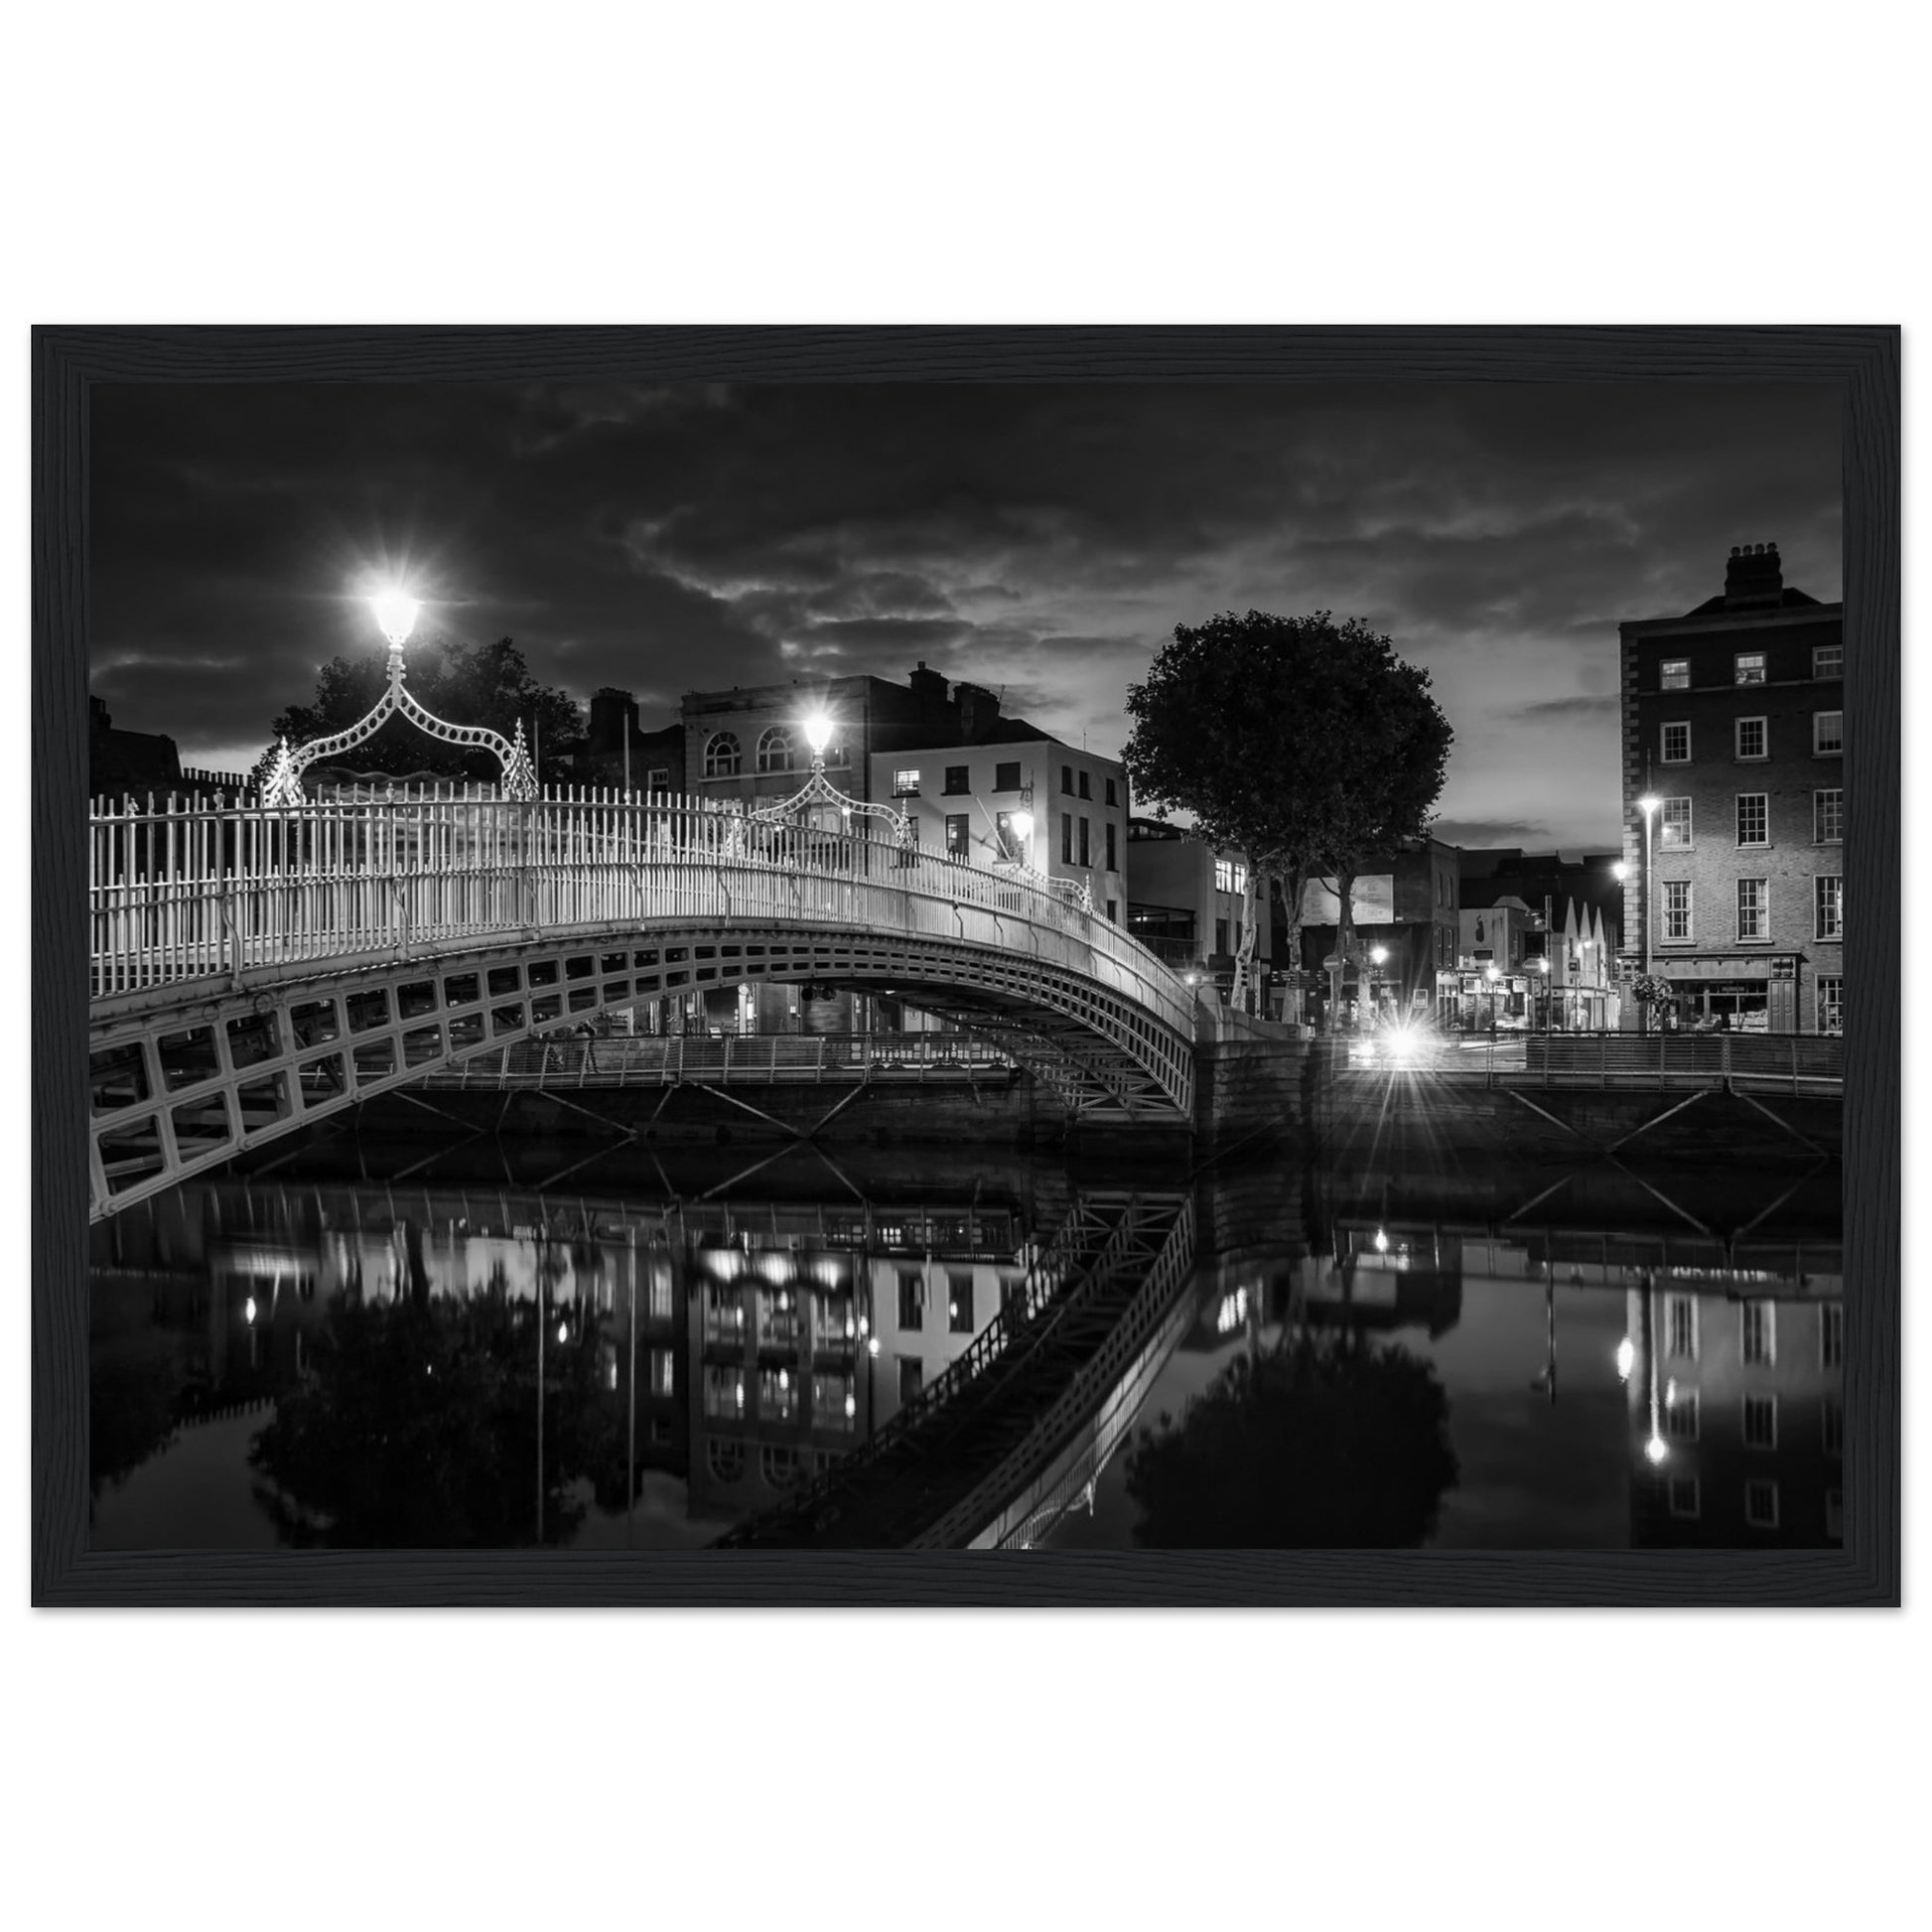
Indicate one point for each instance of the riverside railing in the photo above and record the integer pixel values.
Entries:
(182, 890)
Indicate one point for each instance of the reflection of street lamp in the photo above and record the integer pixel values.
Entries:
(1493, 974)
(1626, 1359)
(1647, 804)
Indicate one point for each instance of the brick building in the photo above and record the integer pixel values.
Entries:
(1733, 722)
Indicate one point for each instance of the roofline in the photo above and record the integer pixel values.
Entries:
(1783, 618)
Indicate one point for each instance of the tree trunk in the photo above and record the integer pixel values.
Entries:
(1344, 944)
(1290, 888)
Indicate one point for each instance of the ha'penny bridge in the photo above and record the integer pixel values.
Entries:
(259, 967)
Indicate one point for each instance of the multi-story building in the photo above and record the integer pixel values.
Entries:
(1187, 903)
(1733, 724)
(618, 751)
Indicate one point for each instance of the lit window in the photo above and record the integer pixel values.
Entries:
(1828, 817)
(1676, 746)
(1831, 1334)
(724, 1392)
(1827, 906)
(1241, 879)
(720, 755)
(777, 1395)
(1827, 661)
(1008, 838)
(1827, 733)
(775, 749)
(1753, 739)
(905, 782)
(957, 836)
(1753, 909)
(1674, 823)
(1761, 1503)
(1224, 875)
(1677, 909)
(1681, 1327)
(1685, 1498)
(1761, 1421)
(663, 1371)
(1674, 674)
(1753, 818)
(834, 1404)
(1831, 1006)
(1749, 667)
(1759, 1333)
(1681, 1415)
(1833, 1421)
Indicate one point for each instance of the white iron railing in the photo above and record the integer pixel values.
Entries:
(182, 890)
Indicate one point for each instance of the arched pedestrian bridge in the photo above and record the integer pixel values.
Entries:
(257, 968)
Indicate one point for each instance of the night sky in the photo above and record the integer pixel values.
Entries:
(1043, 539)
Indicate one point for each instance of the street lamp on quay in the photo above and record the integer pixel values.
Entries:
(1493, 974)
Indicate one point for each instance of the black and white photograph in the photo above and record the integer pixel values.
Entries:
(741, 964)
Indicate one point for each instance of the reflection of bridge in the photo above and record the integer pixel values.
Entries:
(255, 968)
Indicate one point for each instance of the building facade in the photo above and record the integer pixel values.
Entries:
(1733, 726)
(1405, 904)
(1187, 903)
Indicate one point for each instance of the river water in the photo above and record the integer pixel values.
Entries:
(668, 1343)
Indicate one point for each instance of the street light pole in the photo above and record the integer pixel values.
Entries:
(1647, 804)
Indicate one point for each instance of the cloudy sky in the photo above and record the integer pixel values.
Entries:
(1043, 539)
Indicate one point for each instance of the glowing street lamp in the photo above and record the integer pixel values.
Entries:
(1378, 955)
(818, 735)
(395, 616)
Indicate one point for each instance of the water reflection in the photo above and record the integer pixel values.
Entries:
(1333, 1361)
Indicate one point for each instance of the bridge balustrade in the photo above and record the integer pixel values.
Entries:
(188, 890)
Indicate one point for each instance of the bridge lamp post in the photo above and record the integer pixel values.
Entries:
(1647, 804)
(1022, 822)
(1493, 974)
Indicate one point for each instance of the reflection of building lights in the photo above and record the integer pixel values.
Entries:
(784, 1379)
(1656, 1449)
(952, 1310)
(249, 1311)
(738, 1394)
(563, 1332)
(1626, 1359)
(851, 1407)
(1670, 1392)
(775, 1267)
(872, 1347)
(1381, 1241)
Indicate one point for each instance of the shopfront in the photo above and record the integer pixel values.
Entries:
(1744, 993)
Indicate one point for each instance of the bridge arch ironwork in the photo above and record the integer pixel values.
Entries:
(256, 968)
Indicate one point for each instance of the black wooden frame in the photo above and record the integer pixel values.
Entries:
(1862, 363)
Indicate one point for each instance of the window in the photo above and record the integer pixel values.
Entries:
(1753, 740)
(1761, 1421)
(1220, 936)
(1008, 839)
(1827, 661)
(1833, 1417)
(1674, 674)
(1753, 909)
(658, 778)
(662, 1371)
(1677, 911)
(1113, 904)
(1761, 1503)
(1113, 791)
(957, 838)
(775, 749)
(958, 779)
(1759, 1333)
(1676, 746)
(911, 1299)
(1681, 1327)
(1831, 1005)
(1748, 667)
(724, 1392)
(1240, 877)
(1827, 733)
(1753, 818)
(1685, 1499)
(834, 1404)
(726, 1458)
(1224, 875)
(1113, 850)
(1831, 1334)
(959, 1304)
(1828, 817)
(777, 1395)
(779, 1465)
(832, 1314)
(911, 1378)
(905, 782)
(1828, 904)
(720, 755)
(1086, 858)
(1674, 823)
(1066, 838)
(1087, 786)
(1066, 780)
(1006, 778)
(1681, 1414)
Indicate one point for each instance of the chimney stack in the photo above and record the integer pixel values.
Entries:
(1753, 576)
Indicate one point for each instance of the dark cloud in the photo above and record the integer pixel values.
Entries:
(1042, 538)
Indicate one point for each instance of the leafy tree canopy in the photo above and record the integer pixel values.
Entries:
(1323, 1444)
(463, 684)
(1306, 742)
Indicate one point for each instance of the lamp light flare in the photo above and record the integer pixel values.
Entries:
(1656, 1449)
(1022, 825)
(1648, 803)
(1626, 1359)
(395, 616)
(818, 732)
(1378, 954)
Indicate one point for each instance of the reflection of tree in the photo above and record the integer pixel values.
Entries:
(135, 1386)
(1320, 1444)
(417, 1426)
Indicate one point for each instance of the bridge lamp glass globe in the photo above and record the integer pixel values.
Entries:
(395, 616)
(818, 733)
(1378, 955)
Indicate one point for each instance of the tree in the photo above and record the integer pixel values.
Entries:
(1322, 1443)
(462, 683)
(1307, 744)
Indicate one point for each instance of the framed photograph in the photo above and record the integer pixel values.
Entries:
(1030, 966)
